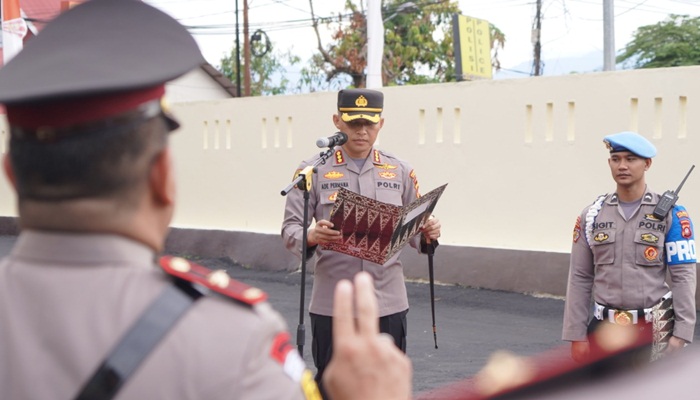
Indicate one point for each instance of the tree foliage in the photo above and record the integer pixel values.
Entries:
(671, 43)
(417, 43)
(267, 71)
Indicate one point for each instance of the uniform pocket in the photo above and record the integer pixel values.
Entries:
(649, 246)
(603, 246)
(389, 196)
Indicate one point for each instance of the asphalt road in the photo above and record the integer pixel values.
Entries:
(471, 323)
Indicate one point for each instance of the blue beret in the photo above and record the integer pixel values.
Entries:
(632, 142)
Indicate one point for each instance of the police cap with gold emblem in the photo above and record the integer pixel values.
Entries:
(356, 104)
(95, 62)
(632, 142)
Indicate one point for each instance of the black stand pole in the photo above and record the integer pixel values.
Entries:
(431, 251)
(304, 182)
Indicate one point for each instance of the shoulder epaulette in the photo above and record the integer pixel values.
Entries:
(216, 280)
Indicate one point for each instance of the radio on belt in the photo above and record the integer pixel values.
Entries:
(668, 199)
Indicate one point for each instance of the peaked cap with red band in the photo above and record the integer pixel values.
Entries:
(96, 61)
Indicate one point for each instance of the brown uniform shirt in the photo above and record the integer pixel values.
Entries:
(623, 264)
(66, 300)
(383, 177)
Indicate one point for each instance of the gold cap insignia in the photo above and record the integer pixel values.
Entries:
(361, 101)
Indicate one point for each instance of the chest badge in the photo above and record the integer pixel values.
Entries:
(649, 238)
(651, 217)
(651, 253)
(601, 237)
(333, 175)
(386, 166)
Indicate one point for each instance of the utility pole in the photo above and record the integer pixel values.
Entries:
(536, 42)
(238, 57)
(608, 35)
(246, 49)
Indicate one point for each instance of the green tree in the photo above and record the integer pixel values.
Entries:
(674, 42)
(418, 43)
(267, 69)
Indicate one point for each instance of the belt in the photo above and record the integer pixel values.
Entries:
(624, 317)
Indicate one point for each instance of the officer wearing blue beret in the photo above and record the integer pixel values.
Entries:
(620, 256)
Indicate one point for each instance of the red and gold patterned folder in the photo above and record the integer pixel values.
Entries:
(375, 231)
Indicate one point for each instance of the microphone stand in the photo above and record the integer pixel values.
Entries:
(303, 181)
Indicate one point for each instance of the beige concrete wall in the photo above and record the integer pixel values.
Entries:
(521, 157)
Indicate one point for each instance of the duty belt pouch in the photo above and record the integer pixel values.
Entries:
(662, 320)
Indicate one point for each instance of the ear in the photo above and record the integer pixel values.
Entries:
(647, 164)
(162, 178)
(336, 121)
(9, 172)
(381, 122)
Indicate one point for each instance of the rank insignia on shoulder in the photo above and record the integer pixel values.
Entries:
(216, 280)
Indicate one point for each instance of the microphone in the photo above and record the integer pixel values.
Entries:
(331, 141)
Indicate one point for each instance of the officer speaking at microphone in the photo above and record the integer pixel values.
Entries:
(356, 165)
(621, 254)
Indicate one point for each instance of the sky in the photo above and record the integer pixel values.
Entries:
(570, 28)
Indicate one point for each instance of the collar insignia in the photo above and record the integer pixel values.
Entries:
(339, 159)
(377, 158)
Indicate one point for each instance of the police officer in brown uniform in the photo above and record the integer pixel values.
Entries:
(620, 257)
(85, 310)
(362, 168)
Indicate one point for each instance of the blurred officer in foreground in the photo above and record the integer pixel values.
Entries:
(606, 374)
(620, 257)
(85, 312)
(356, 165)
